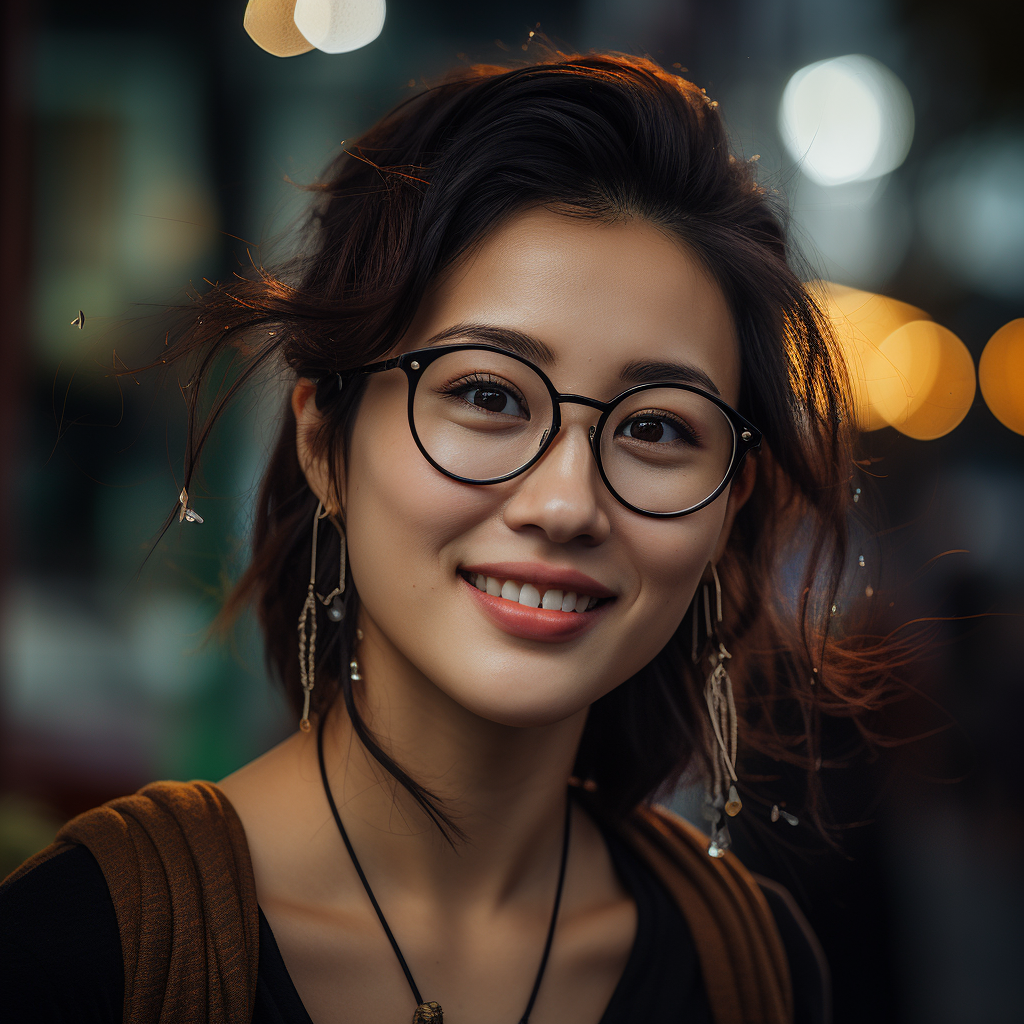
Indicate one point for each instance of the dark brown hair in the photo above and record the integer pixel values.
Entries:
(602, 136)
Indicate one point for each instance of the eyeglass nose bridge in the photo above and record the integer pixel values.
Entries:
(591, 403)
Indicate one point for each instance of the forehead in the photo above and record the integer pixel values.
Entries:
(599, 295)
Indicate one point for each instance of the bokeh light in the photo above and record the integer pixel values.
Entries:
(338, 26)
(1001, 375)
(971, 212)
(269, 31)
(923, 382)
(846, 119)
(861, 321)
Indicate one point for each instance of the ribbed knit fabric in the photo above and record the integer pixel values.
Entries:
(176, 862)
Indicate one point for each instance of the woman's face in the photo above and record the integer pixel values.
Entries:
(600, 297)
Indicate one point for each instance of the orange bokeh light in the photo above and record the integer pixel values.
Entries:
(1001, 375)
(861, 321)
(923, 381)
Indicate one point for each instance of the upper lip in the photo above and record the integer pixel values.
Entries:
(542, 576)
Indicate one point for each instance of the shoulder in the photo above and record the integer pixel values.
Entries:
(60, 950)
(187, 830)
(728, 907)
(147, 882)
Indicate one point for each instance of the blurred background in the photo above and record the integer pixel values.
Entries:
(147, 148)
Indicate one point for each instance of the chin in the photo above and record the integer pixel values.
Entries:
(523, 705)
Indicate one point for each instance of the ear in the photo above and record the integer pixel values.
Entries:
(740, 489)
(307, 422)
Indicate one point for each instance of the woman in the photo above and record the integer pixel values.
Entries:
(540, 325)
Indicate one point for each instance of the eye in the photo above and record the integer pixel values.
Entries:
(489, 396)
(657, 428)
(493, 400)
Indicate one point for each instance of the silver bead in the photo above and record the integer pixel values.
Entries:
(720, 841)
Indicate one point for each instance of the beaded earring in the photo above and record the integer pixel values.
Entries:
(307, 617)
(724, 725)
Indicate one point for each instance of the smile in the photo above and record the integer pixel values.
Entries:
(537, 601)
(527, 594)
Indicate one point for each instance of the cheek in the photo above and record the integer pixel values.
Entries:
(397, 504)
(665, 561)
(400, 516)
(670, 558)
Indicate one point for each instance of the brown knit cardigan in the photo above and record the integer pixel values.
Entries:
(176, 862)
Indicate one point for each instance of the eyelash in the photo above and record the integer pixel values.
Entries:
(681, 425)
(453, 387)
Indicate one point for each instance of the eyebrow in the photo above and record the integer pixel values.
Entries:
(501, 337)
(639, 371)
(646, 371)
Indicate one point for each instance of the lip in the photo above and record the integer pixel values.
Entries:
(543, 577)
(534, 623)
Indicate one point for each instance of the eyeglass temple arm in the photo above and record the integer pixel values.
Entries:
(387, 364)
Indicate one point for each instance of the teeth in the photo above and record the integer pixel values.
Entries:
(530, 596)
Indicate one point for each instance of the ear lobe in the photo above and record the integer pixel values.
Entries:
(307, 421)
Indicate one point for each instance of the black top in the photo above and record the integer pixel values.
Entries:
(60, 953)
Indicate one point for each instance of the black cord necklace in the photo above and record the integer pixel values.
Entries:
(431, 1013)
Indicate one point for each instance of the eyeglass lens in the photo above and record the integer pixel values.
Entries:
(482, 415)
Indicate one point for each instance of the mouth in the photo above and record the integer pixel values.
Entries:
(552, 599)
(536, 602)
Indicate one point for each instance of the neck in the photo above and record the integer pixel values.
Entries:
(503, 788)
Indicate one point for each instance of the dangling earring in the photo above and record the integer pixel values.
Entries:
(724, 725)
(307, 644)
(334, 601)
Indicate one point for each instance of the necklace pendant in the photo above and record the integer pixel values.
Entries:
(428, 1013)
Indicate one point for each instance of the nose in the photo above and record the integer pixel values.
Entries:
(563, 495)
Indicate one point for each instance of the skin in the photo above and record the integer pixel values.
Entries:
(488, 721)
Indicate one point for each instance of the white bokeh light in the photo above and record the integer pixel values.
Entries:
(846, 119)
(338, 26)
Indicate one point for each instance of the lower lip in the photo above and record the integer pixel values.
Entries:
(535, 623)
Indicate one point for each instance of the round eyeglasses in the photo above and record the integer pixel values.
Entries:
(483, 415)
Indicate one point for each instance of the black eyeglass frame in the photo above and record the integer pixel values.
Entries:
(746, 437)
